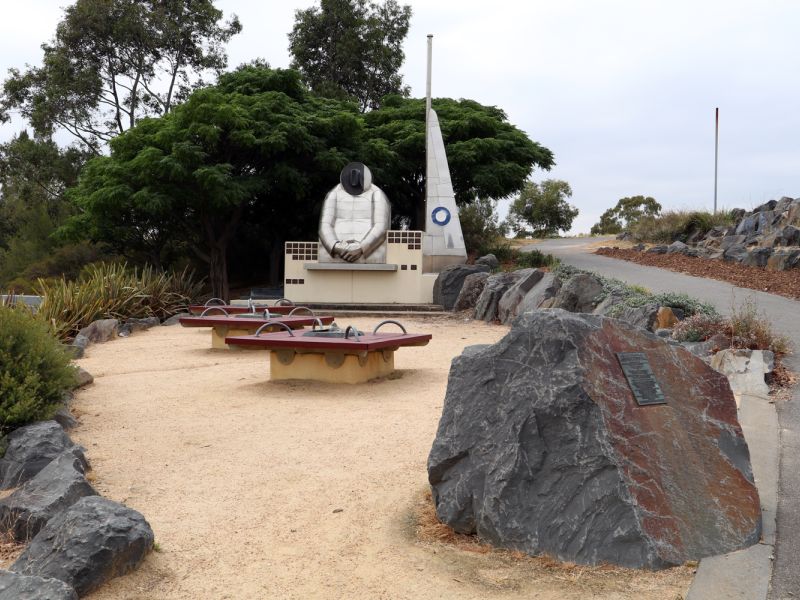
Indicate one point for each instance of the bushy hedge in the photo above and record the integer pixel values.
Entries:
(35, 369)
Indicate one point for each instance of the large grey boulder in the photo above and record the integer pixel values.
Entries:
(660, 249)
(489, 300)
(82, 378)
(677, 247)
(89, 543)
(510, 302)
(758, 257)
(100, 331)
(581, 293)
(30, 449)
(543, 448)
(735, 253)
(470, 291)
(174, 319)
(643, 317)
(14, 586)
(732, 240)
(449, 282)
(56, 487)
(541, 294)
(79, 345)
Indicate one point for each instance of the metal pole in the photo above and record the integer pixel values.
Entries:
(716, 155)
(428, 84)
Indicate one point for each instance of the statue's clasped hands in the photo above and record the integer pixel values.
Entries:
(349, 250)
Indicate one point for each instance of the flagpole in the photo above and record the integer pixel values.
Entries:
(716, 155)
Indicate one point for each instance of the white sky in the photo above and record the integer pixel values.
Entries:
(622, 91)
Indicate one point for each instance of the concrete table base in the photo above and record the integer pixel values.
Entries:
(330, 367)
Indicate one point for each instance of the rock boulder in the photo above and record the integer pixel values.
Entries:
(510, 302)
(470, 291)
(14, 586)
(30, 449)
(581, 293)
(100, 331)
(86, 545)
(543, 448)
(489, 300)
(449, 282)
(55, 488)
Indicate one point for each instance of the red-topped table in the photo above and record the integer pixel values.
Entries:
(311, 355)
(235, 325)
(197, 309)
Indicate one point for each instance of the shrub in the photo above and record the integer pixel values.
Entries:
(678, 225)
(34, 369)
(748, 329)
(533, 259)
(700, 327)
(106, 291)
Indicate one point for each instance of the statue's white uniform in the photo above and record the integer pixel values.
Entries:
(364, 218)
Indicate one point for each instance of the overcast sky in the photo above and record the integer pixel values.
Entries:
(622, 91)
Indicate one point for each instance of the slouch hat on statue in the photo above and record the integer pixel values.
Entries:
(356, 178)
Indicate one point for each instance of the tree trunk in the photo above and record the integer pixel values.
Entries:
(276, 257)
(218, 272)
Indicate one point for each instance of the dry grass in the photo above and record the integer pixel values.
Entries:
(575, 580)
(9, 551)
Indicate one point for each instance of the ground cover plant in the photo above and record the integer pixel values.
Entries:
(116, 291)
(35, 369)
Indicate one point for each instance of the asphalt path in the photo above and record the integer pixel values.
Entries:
(784, 314)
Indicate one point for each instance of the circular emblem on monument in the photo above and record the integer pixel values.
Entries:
(440, 215)
(352, 178)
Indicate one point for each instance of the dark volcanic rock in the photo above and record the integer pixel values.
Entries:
(56, 487)
(470, 291)
(490, 260)
(496, 286)
(89, 543)
(542, 293)
(542, 448)
(30, 449)
(581, 293)
(758, 257)
(662, 249)
(448, 284)
(511, 301)
(14, 586)
(735, 253)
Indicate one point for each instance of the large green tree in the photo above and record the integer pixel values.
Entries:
(627, 212)
(541, 209)
(34, 175)
(488, 156)
(256, 148)
(112, 62)
(351, 49)
(245, 165)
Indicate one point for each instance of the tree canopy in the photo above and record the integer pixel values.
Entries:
(112, 62)
(488, 156)
(256, 147)
(351, 49)
(245, 165)
(627, 212)
(541, 209)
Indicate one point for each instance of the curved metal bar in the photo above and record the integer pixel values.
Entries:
(217, 300)
(278, 323)
(296, 308)
(355, 333)
(210, 308)
(284, 302)
(317, 321)
(387, 322)
(267, 314)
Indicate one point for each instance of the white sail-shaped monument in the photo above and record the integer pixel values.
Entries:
(443, 243)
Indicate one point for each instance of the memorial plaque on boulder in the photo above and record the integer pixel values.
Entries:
(546, 445)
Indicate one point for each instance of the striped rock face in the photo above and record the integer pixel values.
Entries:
(543, 447)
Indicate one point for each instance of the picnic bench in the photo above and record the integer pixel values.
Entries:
(330, 354)
(224, 324)
(280, 307)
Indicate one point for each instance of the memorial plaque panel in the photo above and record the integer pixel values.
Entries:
(640, 378)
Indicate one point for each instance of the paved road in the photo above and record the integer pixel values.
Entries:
(785, 317)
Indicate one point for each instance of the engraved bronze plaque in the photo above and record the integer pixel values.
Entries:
(640, 378)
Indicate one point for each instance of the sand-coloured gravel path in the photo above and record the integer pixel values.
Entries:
(295, 490)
